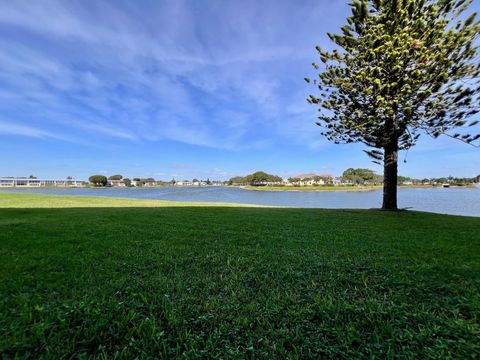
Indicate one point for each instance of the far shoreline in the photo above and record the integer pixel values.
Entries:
(341, 188)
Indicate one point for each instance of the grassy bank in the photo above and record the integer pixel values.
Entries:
(125, 278)
(19, 200)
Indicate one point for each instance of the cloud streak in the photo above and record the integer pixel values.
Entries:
(28, 131)
(179, 71)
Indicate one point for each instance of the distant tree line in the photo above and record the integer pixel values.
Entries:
(366, 176)
(350, 176)
(440, 180)
(101, 180)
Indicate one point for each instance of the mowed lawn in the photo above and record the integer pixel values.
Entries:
(111, 278)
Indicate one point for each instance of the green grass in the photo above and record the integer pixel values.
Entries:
(19, 200)
(111, 278)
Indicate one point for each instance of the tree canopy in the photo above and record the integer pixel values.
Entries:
(115, 177)
(361, 176)
(401, 68)
(257, 178)
(98, 180)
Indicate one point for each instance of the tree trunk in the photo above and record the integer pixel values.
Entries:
(390, 174)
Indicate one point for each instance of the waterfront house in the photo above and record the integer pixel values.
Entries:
(311, 180)
(116, 183)
(184, 183)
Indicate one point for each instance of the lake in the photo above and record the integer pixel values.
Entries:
(456, 201)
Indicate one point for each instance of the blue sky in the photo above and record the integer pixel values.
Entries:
(176, 89)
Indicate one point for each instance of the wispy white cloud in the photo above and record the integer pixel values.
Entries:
(180, 71)
(23, 130)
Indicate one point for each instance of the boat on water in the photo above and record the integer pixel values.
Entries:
(446, 185)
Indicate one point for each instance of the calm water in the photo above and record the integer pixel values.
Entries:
(457, 201)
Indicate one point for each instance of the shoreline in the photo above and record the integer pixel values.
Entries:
(103, 200)
(340, 188)
(57, 201)
(251, 188)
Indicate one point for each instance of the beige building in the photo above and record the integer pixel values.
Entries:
(116, 183)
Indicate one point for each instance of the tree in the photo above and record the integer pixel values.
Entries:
(402, 68)
(238, 180)
(98, 180)
(327, 179)
(127, 182)
(260, 178)
(115, 177)
(403, 179)
(359, 176)
(208, 182)
(32, 177)
(255, 179)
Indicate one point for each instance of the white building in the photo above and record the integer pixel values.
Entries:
(184, 183)
(115, 183)
(24, 182)
(337, 181)
(310, 179)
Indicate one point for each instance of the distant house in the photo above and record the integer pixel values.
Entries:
(184, 183)
(143, 182)
(311, 180)
(150, 183)
(199, 183)
(337, 181)
(116, 183)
